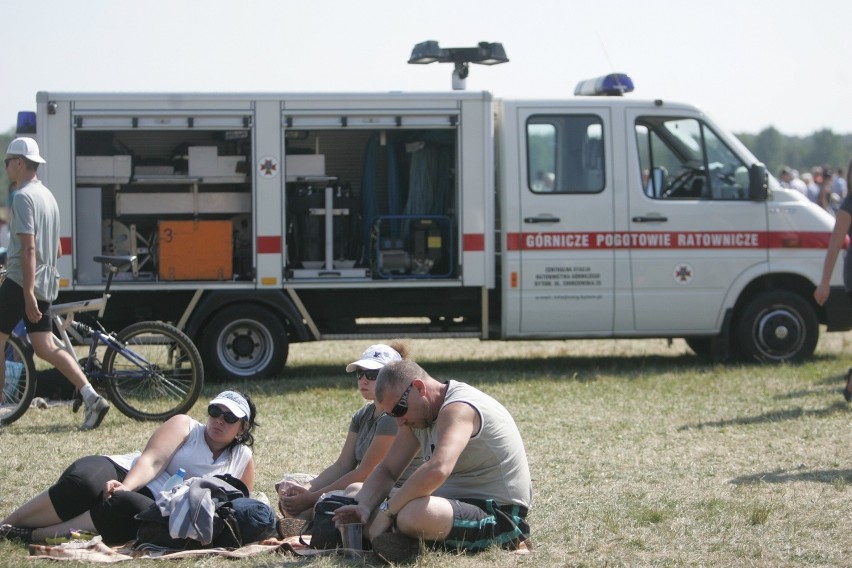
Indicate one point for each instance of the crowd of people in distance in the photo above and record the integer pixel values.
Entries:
(823, 185)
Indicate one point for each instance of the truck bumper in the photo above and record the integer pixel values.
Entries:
(838, 310)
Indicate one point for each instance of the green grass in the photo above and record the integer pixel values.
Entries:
(640, 453)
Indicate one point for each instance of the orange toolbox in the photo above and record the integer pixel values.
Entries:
(196, 250)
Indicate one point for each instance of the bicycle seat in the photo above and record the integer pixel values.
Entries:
(116, 261)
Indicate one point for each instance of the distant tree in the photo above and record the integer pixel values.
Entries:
(770, 147)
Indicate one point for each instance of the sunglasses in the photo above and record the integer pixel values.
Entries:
(215, 412)
(401, 407)
(365, 374)
(9, 160)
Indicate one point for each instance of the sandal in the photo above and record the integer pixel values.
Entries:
(847, 391)
(16, 534)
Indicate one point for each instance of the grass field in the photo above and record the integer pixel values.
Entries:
(641, 454)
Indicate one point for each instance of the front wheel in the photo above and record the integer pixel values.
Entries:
(20, 381)
(156, 374)
(778, 326)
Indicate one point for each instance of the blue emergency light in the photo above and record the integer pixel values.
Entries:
(26, 122)
(612, 85)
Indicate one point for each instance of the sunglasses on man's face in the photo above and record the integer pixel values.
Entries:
(365, 374)
(9, 161)
(401, 407)
(215, 412)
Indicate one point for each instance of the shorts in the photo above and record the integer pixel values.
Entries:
(13, 310)
(479, 524)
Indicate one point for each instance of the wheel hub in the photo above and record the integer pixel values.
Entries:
(243, 346)
(779, 332)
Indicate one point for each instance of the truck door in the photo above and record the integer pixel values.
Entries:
(561, 279)
(692, 228)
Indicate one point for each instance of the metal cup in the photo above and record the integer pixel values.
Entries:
(351, 534)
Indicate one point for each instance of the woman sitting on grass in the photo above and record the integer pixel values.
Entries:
(103, 494)
(370, 435)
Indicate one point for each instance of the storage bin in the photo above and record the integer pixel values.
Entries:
(111, 169)
(203, 161)
(196, 250)
(304, 165)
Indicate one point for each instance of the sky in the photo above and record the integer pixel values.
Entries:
(749, 64)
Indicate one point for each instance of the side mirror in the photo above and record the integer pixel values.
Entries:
(758, 183)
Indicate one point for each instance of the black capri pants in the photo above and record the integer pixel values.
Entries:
(80, 488)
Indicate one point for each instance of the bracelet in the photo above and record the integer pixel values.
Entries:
(385, 508)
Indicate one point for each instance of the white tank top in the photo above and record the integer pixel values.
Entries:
(195, 456)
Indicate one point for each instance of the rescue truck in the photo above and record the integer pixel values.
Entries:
(267, 219)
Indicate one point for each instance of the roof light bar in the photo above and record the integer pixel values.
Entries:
(612, 85)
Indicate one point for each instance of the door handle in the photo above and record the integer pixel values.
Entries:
(649, 219)
(545, 219)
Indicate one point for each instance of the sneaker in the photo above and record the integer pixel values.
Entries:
(16, 534)
(396, 548)
(95, 413)
(289, 527)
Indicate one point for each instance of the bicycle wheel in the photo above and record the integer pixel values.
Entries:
(158, 373)
(20, 384)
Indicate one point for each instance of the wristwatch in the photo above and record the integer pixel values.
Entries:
(385, 508)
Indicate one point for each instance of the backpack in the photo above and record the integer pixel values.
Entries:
(324, 535)
(238, 520)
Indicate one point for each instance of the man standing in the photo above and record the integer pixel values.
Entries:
(473, 489)
(32, 281)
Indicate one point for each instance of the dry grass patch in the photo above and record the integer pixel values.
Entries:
(641, 454)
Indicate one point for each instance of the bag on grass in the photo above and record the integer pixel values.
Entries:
(324, 535)
(236, 520)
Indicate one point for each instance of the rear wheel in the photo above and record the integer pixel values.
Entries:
(20, 381)
(245, 341)
(778, 326)
(159, 376)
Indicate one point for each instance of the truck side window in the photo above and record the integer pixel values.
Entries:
(565, 154)
(682, 158)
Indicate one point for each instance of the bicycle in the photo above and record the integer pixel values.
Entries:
(149, 370)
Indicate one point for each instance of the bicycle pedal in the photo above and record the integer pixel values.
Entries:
(75, 406)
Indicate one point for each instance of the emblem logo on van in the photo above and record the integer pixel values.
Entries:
(683, 274)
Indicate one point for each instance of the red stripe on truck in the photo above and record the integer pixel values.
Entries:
(667, 240)
(269, 244)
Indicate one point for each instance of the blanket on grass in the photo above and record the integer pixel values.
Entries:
(95, 551)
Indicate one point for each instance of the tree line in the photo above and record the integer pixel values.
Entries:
(776, 150)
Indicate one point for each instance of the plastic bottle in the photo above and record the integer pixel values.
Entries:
(174, 480)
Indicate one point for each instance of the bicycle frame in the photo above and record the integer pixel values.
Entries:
(65, 325)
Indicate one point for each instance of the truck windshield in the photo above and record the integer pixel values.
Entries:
(682, 158)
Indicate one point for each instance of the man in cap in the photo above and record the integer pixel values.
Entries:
(32, 281)
(473, 489)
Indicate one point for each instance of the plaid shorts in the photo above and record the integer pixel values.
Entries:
(479, 524)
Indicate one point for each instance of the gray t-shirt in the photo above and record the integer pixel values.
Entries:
(493, 465)
(366, 427)
(35, 212)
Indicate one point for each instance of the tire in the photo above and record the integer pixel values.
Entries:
(167, 382)
(20, 384)
(244, 341)
(778, 327)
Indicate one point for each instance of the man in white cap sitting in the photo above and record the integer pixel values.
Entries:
(32, 281)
